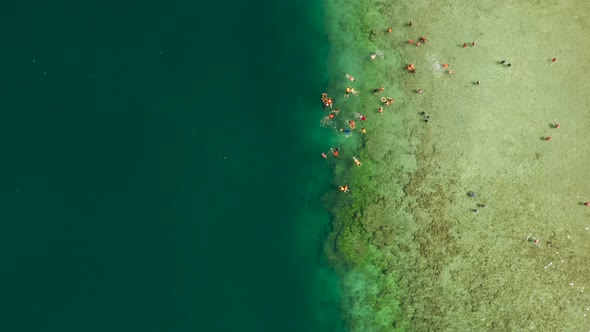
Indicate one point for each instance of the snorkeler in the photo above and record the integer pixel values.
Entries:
(531, 239)
(344, 189)
(352, 79)
(375, 55)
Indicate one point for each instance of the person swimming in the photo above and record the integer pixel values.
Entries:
(335, 151)
(349, 90)
(326, 101)
(375, 55)
(357, 162)
(352, 79)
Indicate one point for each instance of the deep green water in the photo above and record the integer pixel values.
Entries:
(161, 168)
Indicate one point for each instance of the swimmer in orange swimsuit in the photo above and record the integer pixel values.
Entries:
(335, 152)
(344, 189)
(357, 162)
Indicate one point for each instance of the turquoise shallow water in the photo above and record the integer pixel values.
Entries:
(164, 174)
(423, 254)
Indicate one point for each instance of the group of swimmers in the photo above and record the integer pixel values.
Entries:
(344, 188)
(327, 102)
(386, 101)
